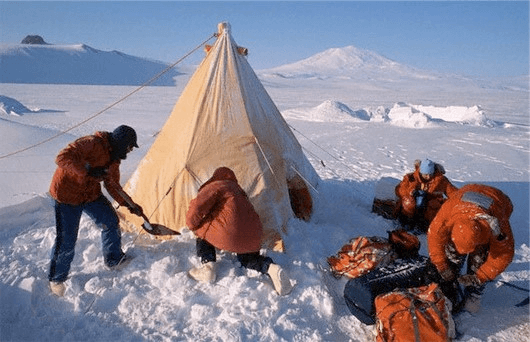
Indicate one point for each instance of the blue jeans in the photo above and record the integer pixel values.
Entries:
(67, 219)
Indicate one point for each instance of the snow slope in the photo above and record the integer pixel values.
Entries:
(76, 64)
(355, 133)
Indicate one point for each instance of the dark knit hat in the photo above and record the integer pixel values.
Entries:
(125, 136)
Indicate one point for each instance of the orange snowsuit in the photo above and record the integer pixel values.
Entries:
(483, 210)
(438, 188)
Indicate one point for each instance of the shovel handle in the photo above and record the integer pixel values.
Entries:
(127, 199)
(146, 225)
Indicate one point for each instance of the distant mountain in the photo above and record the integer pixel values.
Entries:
(363, 66)
(348, 62)
(33, 39)
(77, 64)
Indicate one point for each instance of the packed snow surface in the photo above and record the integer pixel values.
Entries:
(360, 135)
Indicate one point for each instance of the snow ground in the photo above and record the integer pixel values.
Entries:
(353, 133)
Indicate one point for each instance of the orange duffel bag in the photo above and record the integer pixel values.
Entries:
(361, 255)
(421, 314)
(365, 253)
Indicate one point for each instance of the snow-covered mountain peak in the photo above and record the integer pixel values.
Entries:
(348, 62)
(349, 57)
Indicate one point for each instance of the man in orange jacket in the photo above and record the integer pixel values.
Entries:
(76, 188)
(474, 224)
(421, 194)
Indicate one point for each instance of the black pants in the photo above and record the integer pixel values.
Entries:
(254, 261)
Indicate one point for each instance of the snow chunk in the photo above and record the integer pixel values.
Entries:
(11, 106)
(329, 111)
(407, 116)
(468, 115)
(419, 116)
(27, 284)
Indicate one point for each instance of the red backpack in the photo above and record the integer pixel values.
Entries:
(414, 315)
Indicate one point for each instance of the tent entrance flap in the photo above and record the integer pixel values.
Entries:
(300, 198)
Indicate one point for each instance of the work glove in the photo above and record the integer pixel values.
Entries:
(469, 280)
(421, 198)
(448, 274)
(136, 210)
(96, 172)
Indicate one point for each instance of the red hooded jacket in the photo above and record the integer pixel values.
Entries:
(223, 215)
(485, 212)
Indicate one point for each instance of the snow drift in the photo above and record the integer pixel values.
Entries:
(77, 64)
(401, 114)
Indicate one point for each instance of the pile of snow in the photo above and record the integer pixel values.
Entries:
(330, 111)
(401, 114)
(407, 116)
(419, 116)
(473, 115)
(10, 106)
(77, 64)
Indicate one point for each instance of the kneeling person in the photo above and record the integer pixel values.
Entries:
(473, 224)
(222, 216)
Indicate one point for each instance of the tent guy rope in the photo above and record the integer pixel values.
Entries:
(327, 152)
(154, 78)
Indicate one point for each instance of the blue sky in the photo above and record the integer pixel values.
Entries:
(488, 38)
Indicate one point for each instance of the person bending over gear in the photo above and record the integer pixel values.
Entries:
(222, 216)
(474, 224)
(76, 188)
(421, 194)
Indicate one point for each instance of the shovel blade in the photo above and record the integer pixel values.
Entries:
(158, 229)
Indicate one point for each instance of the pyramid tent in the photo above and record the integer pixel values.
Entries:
(224, 117)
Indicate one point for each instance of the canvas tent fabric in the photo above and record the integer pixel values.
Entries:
(224, 117)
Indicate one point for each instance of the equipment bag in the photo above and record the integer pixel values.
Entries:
(414, 315)
(361, 255)
(360, 292)
(405, 244)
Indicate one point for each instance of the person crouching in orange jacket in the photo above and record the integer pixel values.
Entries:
(474, 224)
(222, 216)
(421, 194)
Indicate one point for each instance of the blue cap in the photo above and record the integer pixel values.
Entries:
(427, 167)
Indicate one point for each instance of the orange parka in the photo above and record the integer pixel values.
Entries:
(71, 183)
(438, 189)
(472, 205)
(223, 215)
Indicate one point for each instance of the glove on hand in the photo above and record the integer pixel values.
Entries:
(448, 274)
(421, 198)
(136, 210)
(96, 172)
(469, 280)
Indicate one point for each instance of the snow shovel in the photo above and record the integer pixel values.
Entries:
(153, 229)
